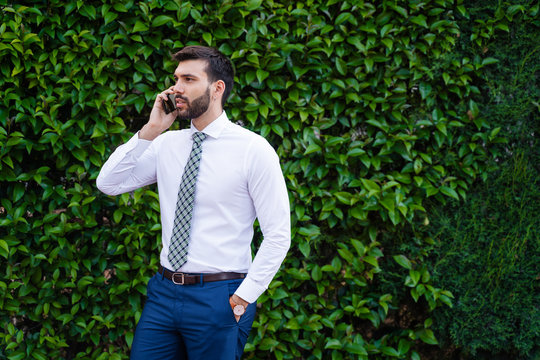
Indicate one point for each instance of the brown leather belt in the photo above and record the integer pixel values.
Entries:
(190, 279)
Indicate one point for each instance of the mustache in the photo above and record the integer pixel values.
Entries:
(178, 96)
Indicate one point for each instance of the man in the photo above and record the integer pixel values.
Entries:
(214, 179)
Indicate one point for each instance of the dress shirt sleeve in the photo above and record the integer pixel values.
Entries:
(269, 194)
(131, 166)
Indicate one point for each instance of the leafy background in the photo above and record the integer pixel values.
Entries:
(388, 117)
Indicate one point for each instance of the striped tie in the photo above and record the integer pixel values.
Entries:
(184, 205)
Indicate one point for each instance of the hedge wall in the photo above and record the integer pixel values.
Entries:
(369, 107)
(487, 250)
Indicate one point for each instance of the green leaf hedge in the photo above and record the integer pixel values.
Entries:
(487, 250)
(367, 104)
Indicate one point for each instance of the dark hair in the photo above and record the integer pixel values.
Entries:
(218, 67)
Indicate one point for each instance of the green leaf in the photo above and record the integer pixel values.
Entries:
(345, 197)
(275, 64)
(304, 248)
(129, 338)
(420, 20)
(473, 107)
(389, 203)
(403, 347)
(110, 17)
(341, 18)
(489, 61)
(8, 161)
(368, 62)
(262, 75)
(388, 43)
(371, 185)
(427, 336)
(403, 261)
(89, 10)
(316, 273)
(207, 37)
(4, 249)
(415, 276)
(371, 260)
(400, 10)
(119, 7)
(356, 349)
(312, 148)
(425, 89)
(18, 192)
(253, 5)
(449, 192)
(341, 66)
(514, 9)
(333, 344)
(162, 20)
(390, 351)
(143, 67)
(359, 247)
(117, 216)
(139, 26)
(309, 230)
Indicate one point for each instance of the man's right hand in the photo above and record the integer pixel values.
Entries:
(159, 121)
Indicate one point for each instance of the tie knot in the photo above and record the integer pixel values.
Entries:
(198, 137)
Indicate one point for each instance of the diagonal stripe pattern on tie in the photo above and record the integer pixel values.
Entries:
(184, 205)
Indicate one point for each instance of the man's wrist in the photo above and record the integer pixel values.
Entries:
(149, 132)
(239, 301)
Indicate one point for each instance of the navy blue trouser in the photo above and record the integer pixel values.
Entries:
(192, 322)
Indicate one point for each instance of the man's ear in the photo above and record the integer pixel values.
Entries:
(219, 88)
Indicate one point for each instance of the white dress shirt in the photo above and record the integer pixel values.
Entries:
(239, 179)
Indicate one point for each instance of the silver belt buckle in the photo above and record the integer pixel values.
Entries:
(174, 278)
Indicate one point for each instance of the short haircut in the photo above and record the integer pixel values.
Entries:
(219, 67)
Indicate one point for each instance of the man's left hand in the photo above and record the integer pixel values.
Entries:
(239, 301)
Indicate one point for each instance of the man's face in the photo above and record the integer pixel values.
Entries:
(192, 89)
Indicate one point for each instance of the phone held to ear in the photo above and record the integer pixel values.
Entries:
(170, 105)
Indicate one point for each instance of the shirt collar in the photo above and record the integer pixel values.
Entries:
(215, 128)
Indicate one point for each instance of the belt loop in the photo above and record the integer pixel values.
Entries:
(162, 273)
(201, 281)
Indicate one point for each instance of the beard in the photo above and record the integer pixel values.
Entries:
(195, 108)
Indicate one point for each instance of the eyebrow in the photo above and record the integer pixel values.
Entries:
(186, 75)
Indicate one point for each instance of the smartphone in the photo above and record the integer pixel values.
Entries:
(170, 105)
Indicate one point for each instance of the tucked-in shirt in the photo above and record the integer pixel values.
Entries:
(239, 180)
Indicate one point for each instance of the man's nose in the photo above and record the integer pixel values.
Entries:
(178, 87)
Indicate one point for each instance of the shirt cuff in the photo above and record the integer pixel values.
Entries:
(249, 290)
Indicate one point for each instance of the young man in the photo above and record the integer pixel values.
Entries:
(214, 179)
